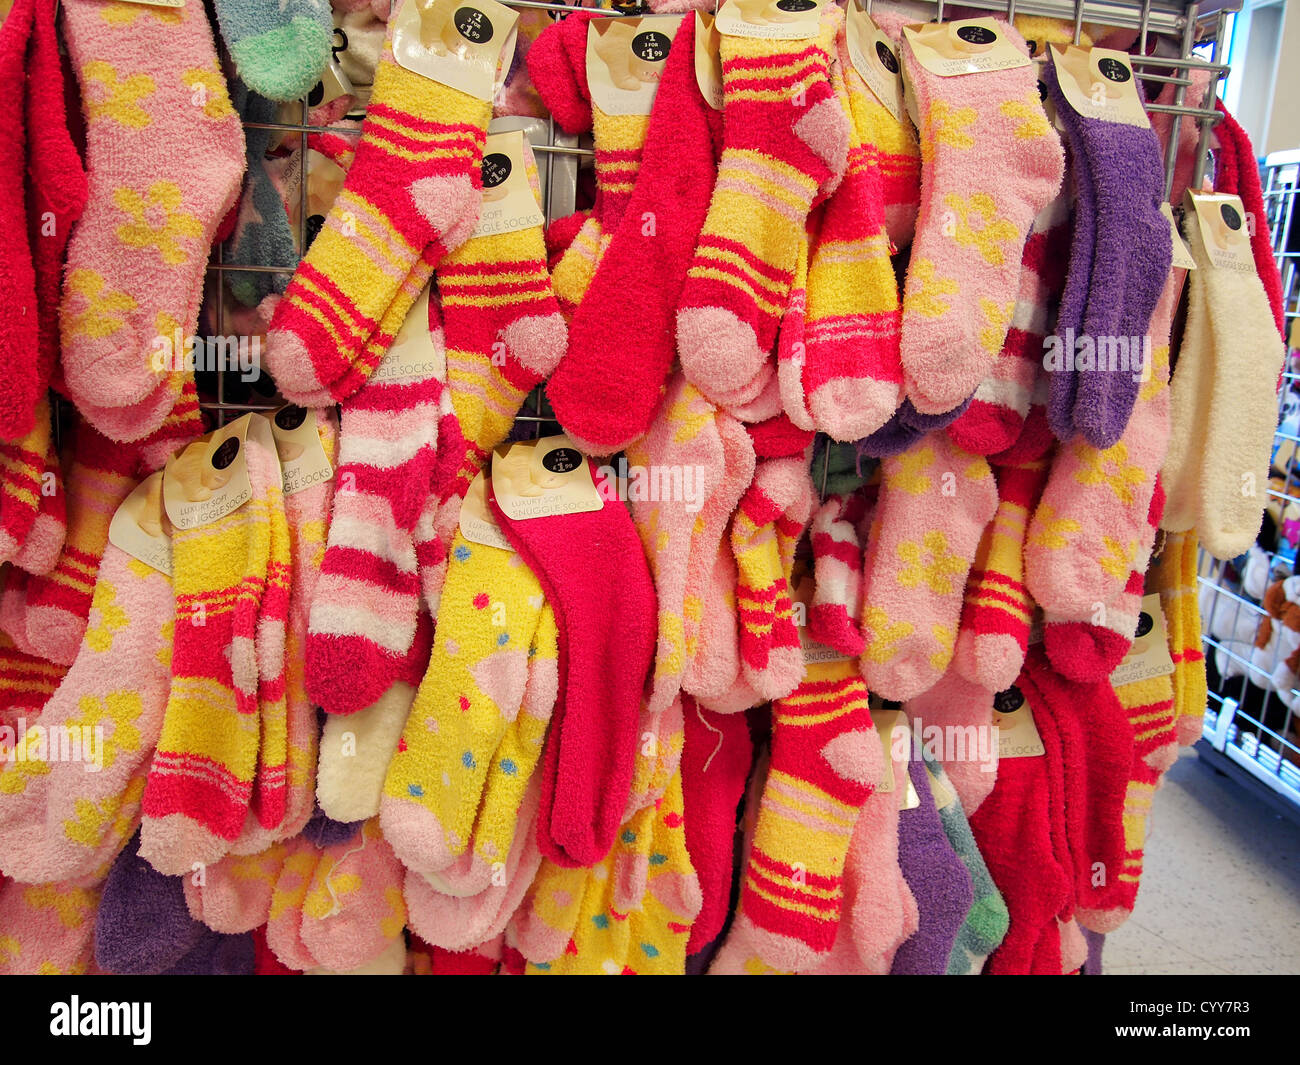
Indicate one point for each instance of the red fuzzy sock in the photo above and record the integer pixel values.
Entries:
(606, 403)
(593, 572)
(716, 756)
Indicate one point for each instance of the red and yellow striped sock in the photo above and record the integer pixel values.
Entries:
(826, 761)
(994, 632)
(414, 182)
(200, 784)
(40, 549)
(22, 463)
(1173, 575)
(764, 533)
(785, 139)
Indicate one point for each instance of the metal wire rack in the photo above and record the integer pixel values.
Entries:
(1250, 722)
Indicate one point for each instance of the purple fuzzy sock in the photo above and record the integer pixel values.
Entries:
(217, 955)
(905, 427)
(143, 926)
(938, 880)
(1074, 297)
(1130, 259)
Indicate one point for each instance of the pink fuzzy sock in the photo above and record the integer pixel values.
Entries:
(935, 500)
(961, 283)
(963, 708)
(364, 608)
(235, 894)
(136, 259)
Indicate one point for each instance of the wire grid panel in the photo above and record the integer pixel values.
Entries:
(1253, 696)
(1184, 29)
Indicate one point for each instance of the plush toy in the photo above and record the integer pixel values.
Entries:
(1277, 642)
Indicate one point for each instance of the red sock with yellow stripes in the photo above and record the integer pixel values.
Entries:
(826, 761)
(994, 630)
(22, 463)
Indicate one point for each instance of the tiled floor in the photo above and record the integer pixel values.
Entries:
(1221, 885)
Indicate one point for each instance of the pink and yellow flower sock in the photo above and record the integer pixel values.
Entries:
(150, 85)
(961, 284)
(935, 501)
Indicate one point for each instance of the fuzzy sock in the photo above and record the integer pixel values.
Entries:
(939, 881)
(201, 780)
(1089, 651)
(986, 923)
(852, 374)
(837, 566)
(1220, 460)
(1119, 178)
(504, 332)
(1236, 171)
(1089, 526)
(137, 257)
(1149, 706)
(355, 752)
(62, 822)
(711, 631)
(20, 336)
(22, 485)
(412, 194)
(589, 759)
(995, 617)
(895, 141)
(1014, 831)
(913, 588)
(472, 693)
(98, 478)
(764, 533)
(716, 759)
(964, 711)
(353, 908)
(996, 416)
(1173, 575)
(961, 282)
(56, 197)
(683, 437)
(43, 544)
(364, 609)
(278, 53)
(825, 763)
(785, 138)
(235, 894)
(629, 306)
(1098, 752)
(285, 920)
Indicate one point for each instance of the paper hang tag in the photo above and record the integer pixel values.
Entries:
(1017, 734)
(969, 46)
(209, 479)
(708, 59)
(909, 100)
(415, 351)
(508, 200)
(1149, 656)
(625, 60)
(944, 796)
(140, 526)
(1225, 230)
(543, 478)
(874, 57)
(477, 523)
(1099, 83)
(1182, 253)
(460, 43)
(303, 462)
(333, 84)
(774, 20)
